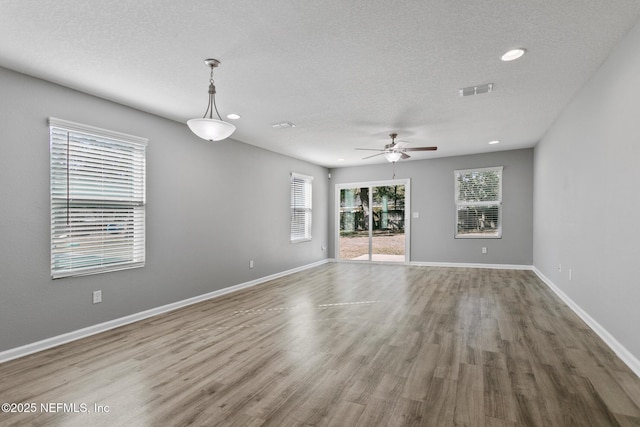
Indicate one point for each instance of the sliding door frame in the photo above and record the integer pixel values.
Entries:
(407, 217)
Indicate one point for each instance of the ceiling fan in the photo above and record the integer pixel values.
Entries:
(396, 150)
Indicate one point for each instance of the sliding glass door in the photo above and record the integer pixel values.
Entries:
(372, 221)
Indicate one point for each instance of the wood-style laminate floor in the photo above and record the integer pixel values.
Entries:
(341, 345)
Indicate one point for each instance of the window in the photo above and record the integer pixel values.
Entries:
(300, 207)
(479, 203)
(97, 200)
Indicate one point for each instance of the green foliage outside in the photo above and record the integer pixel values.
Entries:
(475, 188)
(387, 210)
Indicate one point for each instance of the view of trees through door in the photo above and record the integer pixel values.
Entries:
(372, 223)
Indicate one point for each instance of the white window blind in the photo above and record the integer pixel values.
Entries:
(97, 199)
(478, 198)
(300, 207)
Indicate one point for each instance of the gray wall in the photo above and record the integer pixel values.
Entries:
(211, 208)
(587, 202)
(432, 195)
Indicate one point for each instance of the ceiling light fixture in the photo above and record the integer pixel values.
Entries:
(393, 156)
(233, 116)
(513, 54)
(283, 125)
(207, 127)
(494, 142)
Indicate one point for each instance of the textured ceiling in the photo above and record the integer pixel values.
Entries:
(347, 73)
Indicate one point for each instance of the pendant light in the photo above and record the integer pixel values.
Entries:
(207, 127)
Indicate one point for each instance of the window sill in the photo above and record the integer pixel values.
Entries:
(301, 240)
(477, 236)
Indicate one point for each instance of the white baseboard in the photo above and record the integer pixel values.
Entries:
(27, 349)
(468, 265)
(625, 355)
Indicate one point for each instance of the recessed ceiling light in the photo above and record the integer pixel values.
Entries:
(283, 125)
(494, 142)
(233, 116)
(341, 160)
(513, 54)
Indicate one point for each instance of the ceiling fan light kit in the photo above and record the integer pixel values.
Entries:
(393, 156)
(207, 127)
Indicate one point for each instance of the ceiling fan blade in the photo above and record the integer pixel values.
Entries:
(396, 147)
(420, 149)
(373, 155)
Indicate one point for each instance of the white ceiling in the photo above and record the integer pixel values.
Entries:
(347, 73)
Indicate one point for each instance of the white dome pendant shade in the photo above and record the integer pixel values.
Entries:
(207, 127)
(211, 129)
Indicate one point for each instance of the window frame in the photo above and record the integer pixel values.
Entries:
(485, 203)
(97, 207)
(305, 207)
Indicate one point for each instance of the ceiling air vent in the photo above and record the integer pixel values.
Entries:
(476, 90)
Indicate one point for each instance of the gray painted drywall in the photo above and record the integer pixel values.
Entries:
(211, 207)
(432, 196)
(586, 198)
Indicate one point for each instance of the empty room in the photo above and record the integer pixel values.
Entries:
(398, 213)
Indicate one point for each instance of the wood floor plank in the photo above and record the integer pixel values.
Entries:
(344, 414)
(626, 421)
(377, 412)
(407, 412)
(440, 403)
(499, 398)
(628, 381)
(469, 407)
(342, 344)
(612, 393)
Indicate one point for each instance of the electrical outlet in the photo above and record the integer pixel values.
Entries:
(97, 297)
(484, 250)
(251, 263)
